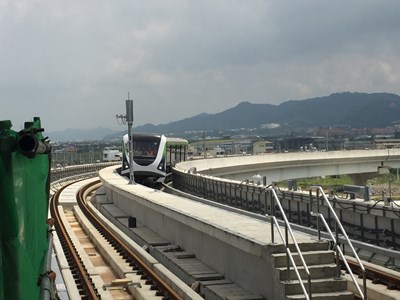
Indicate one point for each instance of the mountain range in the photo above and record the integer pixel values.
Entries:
(356, 110)
(351, 109)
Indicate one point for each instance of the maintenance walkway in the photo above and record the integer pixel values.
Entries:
(236, 246)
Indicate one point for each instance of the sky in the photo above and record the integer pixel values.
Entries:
(72, 63)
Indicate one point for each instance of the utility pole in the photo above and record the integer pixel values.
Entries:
(204, 145)
(128, 118)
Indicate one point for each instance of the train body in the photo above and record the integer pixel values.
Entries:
(153, 157)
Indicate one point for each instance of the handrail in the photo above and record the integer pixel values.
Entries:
(285, 240)
(335, 240)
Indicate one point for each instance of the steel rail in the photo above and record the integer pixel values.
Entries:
(392, 281)
(75, 263)
(168, 292)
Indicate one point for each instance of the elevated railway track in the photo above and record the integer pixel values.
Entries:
(386, 278)
(138, 282)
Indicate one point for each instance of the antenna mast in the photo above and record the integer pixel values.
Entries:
(129, 119)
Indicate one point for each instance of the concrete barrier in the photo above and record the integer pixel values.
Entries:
(235, 245)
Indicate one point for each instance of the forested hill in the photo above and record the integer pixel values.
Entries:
(353, 109)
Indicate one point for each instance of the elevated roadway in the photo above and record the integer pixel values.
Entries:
(360, 165)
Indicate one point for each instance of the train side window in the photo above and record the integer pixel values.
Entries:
(170, 154)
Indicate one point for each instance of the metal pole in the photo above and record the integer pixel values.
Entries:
(287, 252)
(204, 145)
(318, 228)
(337, 246)
(45, 282)
(129, 119)
(272, 209)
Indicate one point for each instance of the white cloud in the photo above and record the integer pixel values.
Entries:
(73, 62)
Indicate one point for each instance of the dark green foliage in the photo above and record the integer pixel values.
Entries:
(352, 109)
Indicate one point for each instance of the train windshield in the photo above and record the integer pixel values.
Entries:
(145, 148)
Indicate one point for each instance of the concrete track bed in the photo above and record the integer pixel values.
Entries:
(197, 275)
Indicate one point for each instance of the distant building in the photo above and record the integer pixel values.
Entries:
(387, 143)
(222, 147)
(111, 154)
(262, 147)
(216, 152)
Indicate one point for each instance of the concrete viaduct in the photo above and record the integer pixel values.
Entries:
(360, 165)
(223, 239)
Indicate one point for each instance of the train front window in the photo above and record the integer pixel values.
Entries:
(145, 148)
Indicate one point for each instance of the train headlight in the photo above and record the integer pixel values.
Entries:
(161, 166)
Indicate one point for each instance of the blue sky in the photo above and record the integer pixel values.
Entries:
(72, 63)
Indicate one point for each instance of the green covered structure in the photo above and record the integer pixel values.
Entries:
(24, 195)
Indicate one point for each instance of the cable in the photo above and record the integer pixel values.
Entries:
(395, 203)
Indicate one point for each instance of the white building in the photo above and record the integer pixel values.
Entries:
(111, 154)
(262, 147)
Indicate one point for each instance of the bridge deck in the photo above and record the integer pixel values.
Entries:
(235, 245)
(210, 219)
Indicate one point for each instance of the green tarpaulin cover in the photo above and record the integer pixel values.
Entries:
(24, 194)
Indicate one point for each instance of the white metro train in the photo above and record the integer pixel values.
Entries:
(153, 157)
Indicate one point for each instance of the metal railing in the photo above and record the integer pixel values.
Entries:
(225, 192)
(335, 239)
(257, 199)
(63, 172)
(285, 239)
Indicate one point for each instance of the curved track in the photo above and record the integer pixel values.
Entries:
(87, 289)
(85, 285)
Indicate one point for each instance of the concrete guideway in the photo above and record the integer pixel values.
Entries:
(237, 246)
(377, 212)
(149, 211)
(100, 273)
(360, 165)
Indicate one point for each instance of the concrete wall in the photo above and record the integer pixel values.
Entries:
(245, 261)
(368, 220)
